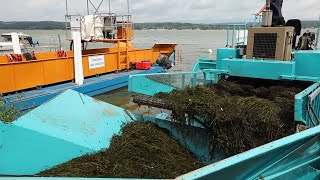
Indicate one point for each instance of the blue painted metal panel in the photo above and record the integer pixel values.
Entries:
(52, 178)
(307, 63)
(208, 64)
(66, 127)
(257, 68)
(204, 63)
(304, 68)
(26, 152)
(271, 161)
(143, 85)
(151, 84)
(301, 105)
(196, 66)
(67, 134)
(223, 53)
(197, 140)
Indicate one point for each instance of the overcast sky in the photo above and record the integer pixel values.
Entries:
(195, 11)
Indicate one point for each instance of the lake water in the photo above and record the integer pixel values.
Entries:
(193, 43)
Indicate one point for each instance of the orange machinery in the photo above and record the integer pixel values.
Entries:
(56, 67)
(51, 69)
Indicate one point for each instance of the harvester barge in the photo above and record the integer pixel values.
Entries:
(30, 79)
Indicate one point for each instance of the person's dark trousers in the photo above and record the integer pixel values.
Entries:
(276, 22)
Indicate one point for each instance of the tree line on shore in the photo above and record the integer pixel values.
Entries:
(50, 25)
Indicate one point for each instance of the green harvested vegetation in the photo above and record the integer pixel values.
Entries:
(142, 151)
(8, 114)
(241, 114)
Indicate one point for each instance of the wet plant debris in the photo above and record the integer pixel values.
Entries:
(8, 114)
(142, 151)
(241, 113)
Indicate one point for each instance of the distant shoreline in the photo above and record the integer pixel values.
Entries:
(53, 25)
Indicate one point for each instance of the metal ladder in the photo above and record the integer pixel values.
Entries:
(123, 61)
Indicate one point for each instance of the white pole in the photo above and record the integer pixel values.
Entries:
(109, 7)
(88, 7)
(77, 50)
(128, 3)
(16, 43)
(67, 13)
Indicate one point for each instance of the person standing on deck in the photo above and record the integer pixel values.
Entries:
(276, 7)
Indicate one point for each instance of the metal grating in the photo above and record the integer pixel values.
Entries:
(265, 45)
(151, 84)
(177, 80)
(307, 106)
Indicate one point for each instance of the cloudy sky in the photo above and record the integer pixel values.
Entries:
(194, 11)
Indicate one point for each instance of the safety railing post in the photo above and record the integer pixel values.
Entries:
(183, 81)
(318, 33)
(233, 35)
(228, 32)
(245, 35)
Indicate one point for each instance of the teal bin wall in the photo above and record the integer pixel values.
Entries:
(257, 68)
(72, 125)
(307, 63)
(143, 85)
(293, 157)
(204, 63)
(301, 112)
(196, 139)
(223, 53)
(67, 127)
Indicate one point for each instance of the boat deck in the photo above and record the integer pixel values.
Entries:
(92, 86)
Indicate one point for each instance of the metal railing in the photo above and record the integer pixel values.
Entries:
(307, 106)
(151, 84)
(314, 107)
(317, 36)
(111, 22)
(237, 33)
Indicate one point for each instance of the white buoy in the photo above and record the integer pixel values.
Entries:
(210, 53)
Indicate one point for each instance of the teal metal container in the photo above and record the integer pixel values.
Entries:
(293, 157)
(74, 124)
(69, 126)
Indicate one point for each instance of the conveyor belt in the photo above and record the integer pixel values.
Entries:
(151, 101)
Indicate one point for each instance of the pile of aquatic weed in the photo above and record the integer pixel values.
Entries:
(8, 114)
(242, 114)
(142, 151)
